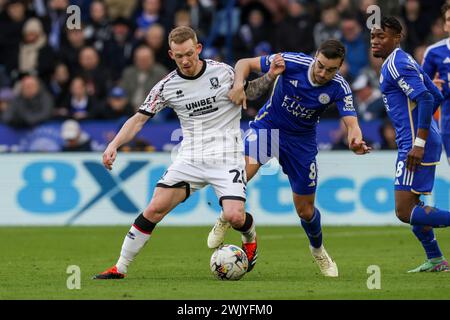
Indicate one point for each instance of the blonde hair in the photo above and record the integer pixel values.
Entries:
(181, 34)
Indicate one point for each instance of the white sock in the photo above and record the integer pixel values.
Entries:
(221, 217)
(133, 243)
(250, 235)
(316, 250)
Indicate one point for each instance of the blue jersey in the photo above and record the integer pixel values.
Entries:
(437, 59)
(402, 80)
(296, 102)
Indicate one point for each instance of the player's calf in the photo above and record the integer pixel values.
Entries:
(134, 241)
(249, 245)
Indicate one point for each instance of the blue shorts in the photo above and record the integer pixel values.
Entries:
(445, 127)
(420, 181)
(296, 155)
(446, 143)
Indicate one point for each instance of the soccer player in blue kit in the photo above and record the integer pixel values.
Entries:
(410, 99)
(436, 62)
(305, 88)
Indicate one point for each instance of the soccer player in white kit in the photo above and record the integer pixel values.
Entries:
(211, 151)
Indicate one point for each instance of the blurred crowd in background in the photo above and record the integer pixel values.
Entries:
(105, 69)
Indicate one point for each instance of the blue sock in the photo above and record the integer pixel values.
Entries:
(313, 229)
(429, 242)
(429, 216)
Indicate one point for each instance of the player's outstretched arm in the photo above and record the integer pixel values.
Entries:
(130, 128)
(242, 70)
(256, 88)
(355, 138)
(238, 94)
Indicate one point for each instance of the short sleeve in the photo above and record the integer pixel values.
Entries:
(293, 62)
(155, 101)
(344, 98)
(407, 77)
(428, 64)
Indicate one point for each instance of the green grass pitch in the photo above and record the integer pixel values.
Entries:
(175, 264)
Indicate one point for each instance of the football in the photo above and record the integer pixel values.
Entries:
(229, 262)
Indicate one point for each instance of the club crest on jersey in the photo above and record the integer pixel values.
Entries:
(324, 98)
(214, 83)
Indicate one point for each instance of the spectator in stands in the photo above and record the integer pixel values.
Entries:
(339, 137)
(295, 32)
(59, 85)
(75, 139)
(417, 24)
(33, 106)
(35, 55)
(328, 27)
(120, 8)
(71, 47)
(419, 53)
(255, 30)
(5, 81)
(437, 31)
(6, 96)
(368, 100)
(372, 71)
(201, 13)
(182, 18)
(356, 45)
(79, 105)
(387, 134)
(117, 53)
(12, 20)
(55, 22)
(98, 29)
(155, 39)
(142, 75)
(150, 14)
(96, 76)
(117, 105)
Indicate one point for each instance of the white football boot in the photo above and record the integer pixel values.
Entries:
(217, 234)
(326, 265)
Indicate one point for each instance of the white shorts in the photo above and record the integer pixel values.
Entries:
(228, 180)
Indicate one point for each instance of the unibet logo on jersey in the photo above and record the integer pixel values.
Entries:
(202, 106)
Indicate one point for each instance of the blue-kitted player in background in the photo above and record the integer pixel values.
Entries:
(411, 99)
(436, 63)
(285, 128)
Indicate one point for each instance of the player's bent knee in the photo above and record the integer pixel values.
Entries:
(402, 214)
(235, 216)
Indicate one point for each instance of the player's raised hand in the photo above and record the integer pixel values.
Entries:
(438, 82)
(109, 156)
(359, 146)
(237, 96)
(277, 66)
(414, 158)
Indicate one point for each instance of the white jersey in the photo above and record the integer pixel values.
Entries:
(210, 122)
